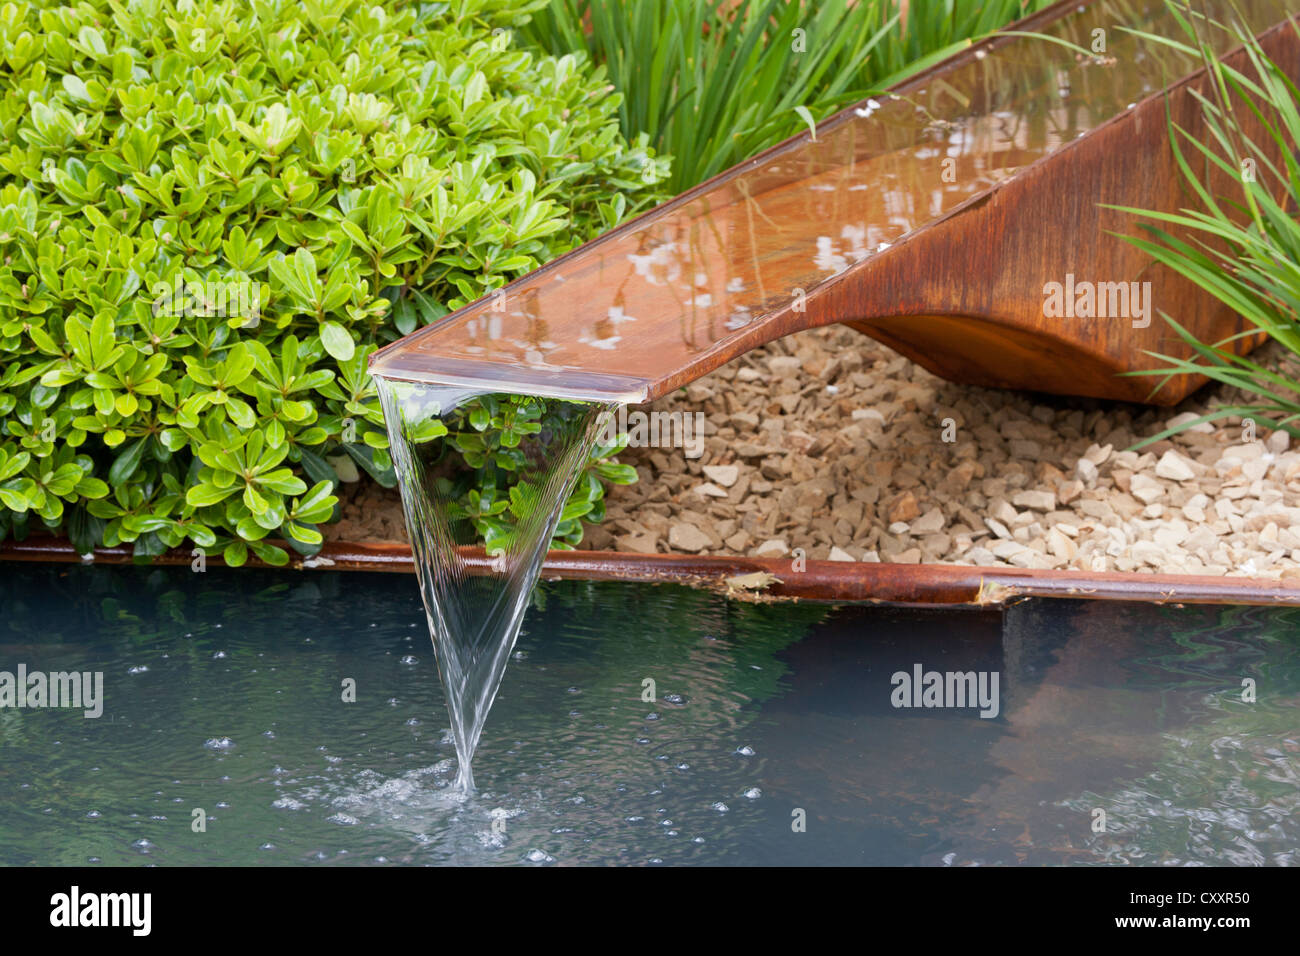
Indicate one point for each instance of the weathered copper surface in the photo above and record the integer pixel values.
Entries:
(933, 584)
(932, 220)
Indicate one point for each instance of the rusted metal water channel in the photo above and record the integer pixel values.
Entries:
(770, 578)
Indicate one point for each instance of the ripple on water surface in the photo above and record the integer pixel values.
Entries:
(636, 725)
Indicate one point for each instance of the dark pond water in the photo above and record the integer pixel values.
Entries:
(772, 737)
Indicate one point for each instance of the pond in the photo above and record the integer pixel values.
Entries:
(640, 725)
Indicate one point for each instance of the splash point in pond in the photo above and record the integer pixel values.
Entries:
(475, 609)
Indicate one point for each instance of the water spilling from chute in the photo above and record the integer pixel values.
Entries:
(481, 466)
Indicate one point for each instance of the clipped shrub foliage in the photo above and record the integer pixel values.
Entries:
(212, 213)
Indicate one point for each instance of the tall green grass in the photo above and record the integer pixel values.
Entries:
(714, 81)
(1244, 247)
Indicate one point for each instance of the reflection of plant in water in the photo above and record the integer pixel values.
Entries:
(1204, 652)
(1225, 794)
(1227, 788)
(661, 632)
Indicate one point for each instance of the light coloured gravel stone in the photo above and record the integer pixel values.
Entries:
(1036, 500)
(710, 490)
(685, 537)
(1002, 511)
(724, 475)
(1061, 546)
(1145, 489)
(1247, 452)
(1098, 454)
(998, 528)
(772, 548)
(1203, 428)
(929, 522)
(1174, 467)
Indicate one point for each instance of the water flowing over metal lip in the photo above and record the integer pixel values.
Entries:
(563, 383)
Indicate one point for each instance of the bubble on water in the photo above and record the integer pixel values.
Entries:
(410, 659)
(413, 722)
(288, 803)
(698, 840)
(143, 845)
(538, 856)
(219, 654)
(219, 743)
(721, 807)
(683, 766)
(674, 698)
(342, 819)
(137, 669)
(652, 716)
(267, 846)
(222, 804)
(573, 690)
(94, 815)
(269, 734)
(633, 819)
(643, 740)
(753, 793)
(745, 751)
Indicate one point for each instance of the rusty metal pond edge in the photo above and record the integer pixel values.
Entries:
(767, 579)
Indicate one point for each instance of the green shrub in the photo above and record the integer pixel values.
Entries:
(212, 213)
